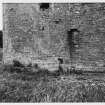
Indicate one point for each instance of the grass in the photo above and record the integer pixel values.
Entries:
(21, 84)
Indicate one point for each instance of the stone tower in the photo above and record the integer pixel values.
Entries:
(43, 32)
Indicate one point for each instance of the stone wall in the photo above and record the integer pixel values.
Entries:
(33, 34)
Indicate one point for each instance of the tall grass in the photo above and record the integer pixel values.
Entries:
(20, 84)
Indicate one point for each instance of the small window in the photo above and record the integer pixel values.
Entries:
(44, 6)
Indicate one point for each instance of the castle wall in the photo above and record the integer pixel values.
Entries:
(34, 35)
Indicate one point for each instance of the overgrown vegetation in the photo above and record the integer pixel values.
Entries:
(19, 83)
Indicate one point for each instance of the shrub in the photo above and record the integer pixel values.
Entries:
(17, 64)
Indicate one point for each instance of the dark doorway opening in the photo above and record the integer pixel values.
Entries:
(1, 39)
(73, 40)
(44, 6)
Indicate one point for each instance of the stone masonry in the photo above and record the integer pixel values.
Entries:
(35, 33)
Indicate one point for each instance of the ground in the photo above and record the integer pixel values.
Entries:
(28, 86)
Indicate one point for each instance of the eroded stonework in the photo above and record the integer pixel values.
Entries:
(32, 34)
